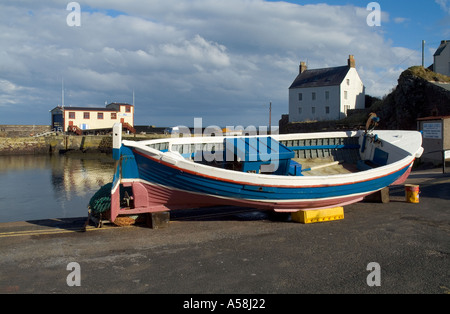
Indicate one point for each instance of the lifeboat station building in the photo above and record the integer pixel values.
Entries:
(77, 119)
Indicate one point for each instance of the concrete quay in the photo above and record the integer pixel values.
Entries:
(242, 251)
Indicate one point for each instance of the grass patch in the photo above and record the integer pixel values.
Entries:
(426, 74)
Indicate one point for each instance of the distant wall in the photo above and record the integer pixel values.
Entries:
(19, 145)
(22, 130)
(54, 144)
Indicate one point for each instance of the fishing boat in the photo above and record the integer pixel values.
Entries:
(282, 173)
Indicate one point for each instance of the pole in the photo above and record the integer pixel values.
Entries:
(62, 92)
(423, 53)
(270, 118)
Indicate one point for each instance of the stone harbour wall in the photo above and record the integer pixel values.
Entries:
(18, 145)
(22, 130)
(54, 144)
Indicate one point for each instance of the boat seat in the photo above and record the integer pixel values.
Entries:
(295, 168)
(321, 167)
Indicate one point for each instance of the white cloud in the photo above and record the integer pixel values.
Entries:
(8, 87)
(445, 5)
(198, 50)
(223, 59)
(400, 20)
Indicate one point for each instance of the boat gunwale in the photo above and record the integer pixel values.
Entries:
(172, 160)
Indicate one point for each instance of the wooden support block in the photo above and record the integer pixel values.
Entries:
(158, 220)
(381, 196)
(313, 216)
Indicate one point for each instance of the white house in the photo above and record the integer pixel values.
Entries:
(325, 94)
(442, 58)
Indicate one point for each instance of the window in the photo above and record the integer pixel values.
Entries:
(313, 96)
(299, 110)
(127, 109)
(345, 95)
(113, 116)
(348, 82)
(300, 96)
(71, 115)
(86, 115)
(327, 95)
(100, 115)
(327, 110)
(313, 110)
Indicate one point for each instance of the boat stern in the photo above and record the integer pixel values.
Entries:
(128, 195)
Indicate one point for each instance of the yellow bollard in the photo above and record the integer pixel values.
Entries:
(412, 193)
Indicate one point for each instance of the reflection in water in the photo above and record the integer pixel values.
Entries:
(44, 187)
(77, 177)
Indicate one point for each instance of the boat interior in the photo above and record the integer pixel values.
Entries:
(296, 157)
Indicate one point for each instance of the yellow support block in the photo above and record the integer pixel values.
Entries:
(313, 216)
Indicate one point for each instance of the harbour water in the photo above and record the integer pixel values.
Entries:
(49, 187)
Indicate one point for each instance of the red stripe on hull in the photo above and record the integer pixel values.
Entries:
(403, 178)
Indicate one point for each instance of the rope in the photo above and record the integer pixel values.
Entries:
(101, 201)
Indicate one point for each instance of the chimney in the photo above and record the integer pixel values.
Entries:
(351, 61)
(303, 67)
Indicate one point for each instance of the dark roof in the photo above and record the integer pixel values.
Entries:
(83, 109)
(434, 118)
(120, 104)
(441, 48)
(88, 109)
(116, 105)
(321, 77)
(112, 107)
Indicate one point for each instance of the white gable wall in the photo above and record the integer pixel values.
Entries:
(352, 93)
(442, 62)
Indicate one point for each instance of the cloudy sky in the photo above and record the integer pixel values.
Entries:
(221, 60)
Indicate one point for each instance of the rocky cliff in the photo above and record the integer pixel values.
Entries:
(420, 93)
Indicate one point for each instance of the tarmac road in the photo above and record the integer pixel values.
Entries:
(242, 252)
